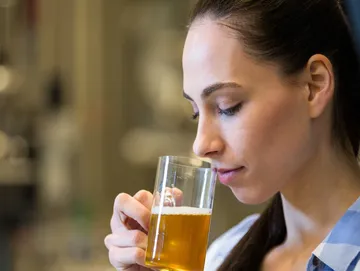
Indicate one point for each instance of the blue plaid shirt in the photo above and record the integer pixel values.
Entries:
(340, 250)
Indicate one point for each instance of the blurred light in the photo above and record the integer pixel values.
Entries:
(5, 78)
(4, 145)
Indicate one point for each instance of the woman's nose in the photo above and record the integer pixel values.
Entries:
(208, 142)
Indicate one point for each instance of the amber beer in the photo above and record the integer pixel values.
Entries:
(178, 238)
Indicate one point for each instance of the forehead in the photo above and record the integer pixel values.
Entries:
(206, 40)
(211, 54)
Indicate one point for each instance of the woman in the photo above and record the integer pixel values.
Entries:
(275, 85)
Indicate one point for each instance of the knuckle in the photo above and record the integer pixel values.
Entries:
(107, 241)
(142, 195)
(138, 255)
(121, 199)
(112, 255)
(143, 192)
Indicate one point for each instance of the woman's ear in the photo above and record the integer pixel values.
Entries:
(320, 84)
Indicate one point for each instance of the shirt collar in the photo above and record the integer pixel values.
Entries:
(342, 244)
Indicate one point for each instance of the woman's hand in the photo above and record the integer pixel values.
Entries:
(129, 226)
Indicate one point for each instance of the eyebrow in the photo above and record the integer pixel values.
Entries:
(214, 87)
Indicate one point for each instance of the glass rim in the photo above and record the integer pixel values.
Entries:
(185, 161)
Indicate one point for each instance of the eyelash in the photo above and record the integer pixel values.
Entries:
(226, 112)
(195, 116)
(230, 111)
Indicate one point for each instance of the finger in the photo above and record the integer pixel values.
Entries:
(172, 197)
(117, 219)
(178, 196)
(125, 257)
(145, 198)
(134, 238)
(127, 206)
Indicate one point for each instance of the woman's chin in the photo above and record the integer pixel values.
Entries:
(251, 196)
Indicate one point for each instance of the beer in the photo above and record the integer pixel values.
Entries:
(178, 238)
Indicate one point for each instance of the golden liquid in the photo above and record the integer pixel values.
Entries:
(178, 239)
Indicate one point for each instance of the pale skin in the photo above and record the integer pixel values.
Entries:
(277, 129)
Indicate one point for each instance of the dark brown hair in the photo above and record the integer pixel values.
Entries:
(288, 33)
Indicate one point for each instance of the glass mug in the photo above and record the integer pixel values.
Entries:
(180, 215)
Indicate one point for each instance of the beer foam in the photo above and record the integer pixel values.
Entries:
(180, 210)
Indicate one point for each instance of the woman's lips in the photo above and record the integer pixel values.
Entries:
(226, 176)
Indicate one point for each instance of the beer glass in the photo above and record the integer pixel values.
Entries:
(180, 215)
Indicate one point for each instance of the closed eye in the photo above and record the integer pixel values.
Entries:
(230, 111)
(226, 112)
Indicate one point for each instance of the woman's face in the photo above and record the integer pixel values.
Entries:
(252, 123)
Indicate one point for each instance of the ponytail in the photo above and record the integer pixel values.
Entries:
(266, 233)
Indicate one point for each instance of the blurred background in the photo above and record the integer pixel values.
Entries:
(90, 96)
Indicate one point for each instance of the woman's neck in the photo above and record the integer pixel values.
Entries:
(318, 197)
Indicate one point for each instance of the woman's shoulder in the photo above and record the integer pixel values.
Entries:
(222, 246)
